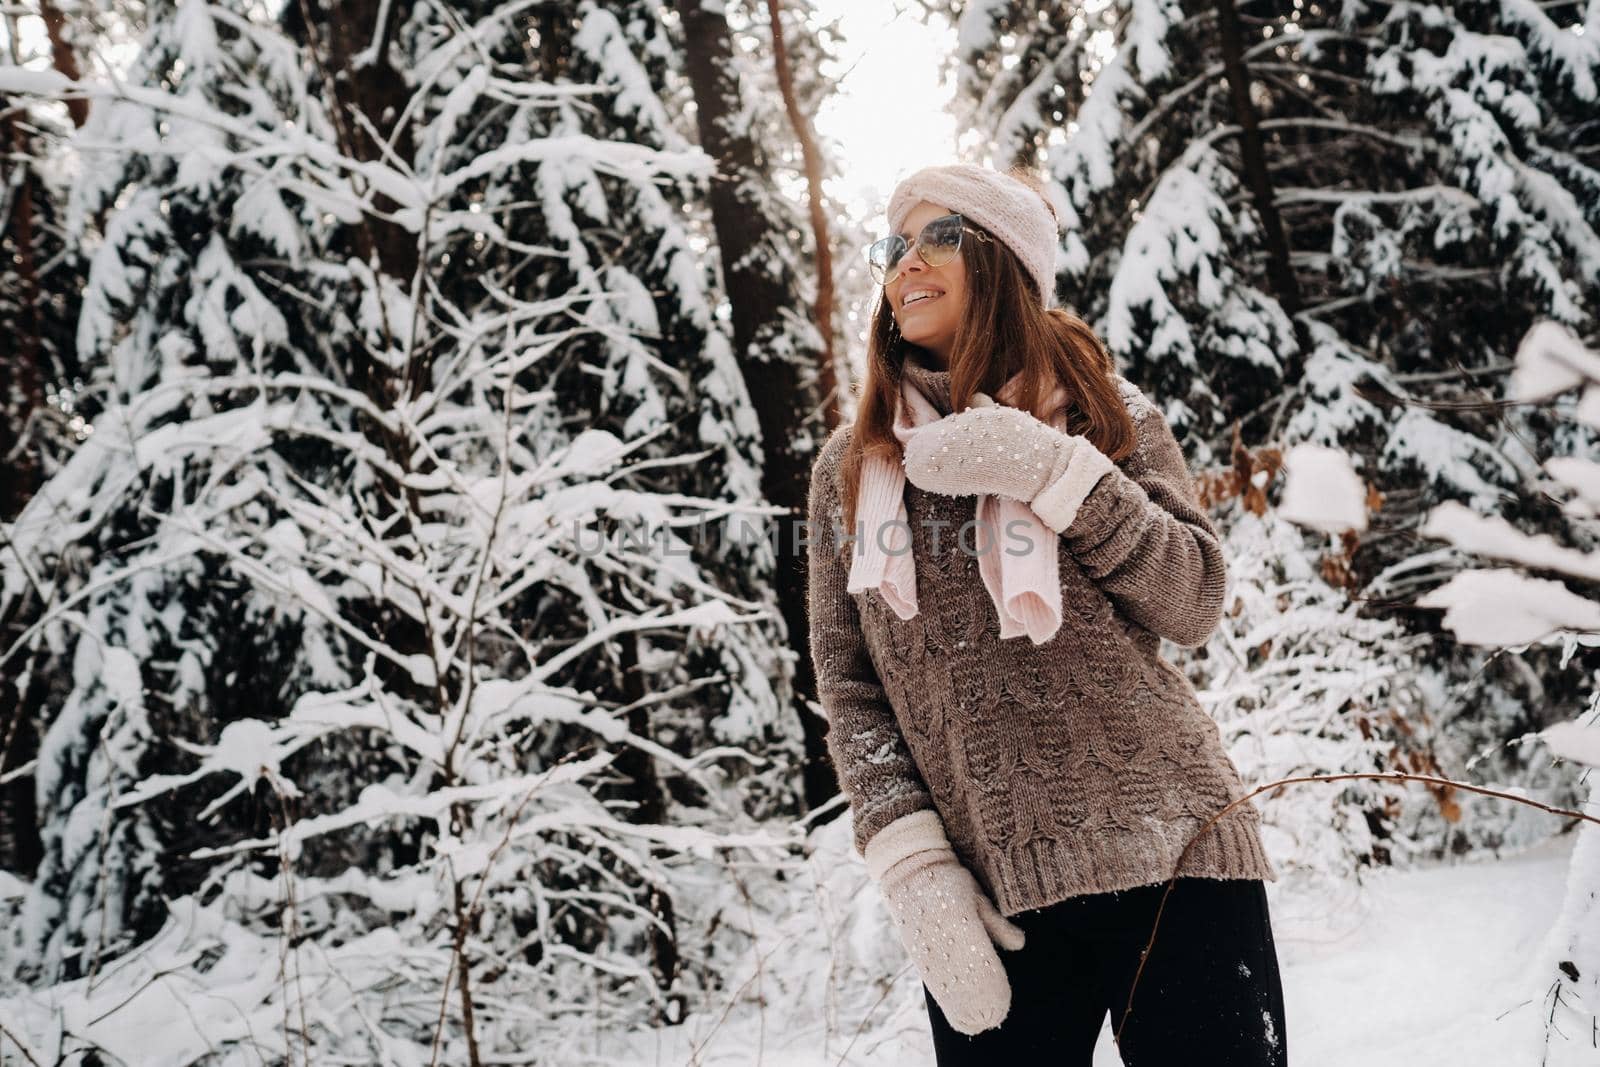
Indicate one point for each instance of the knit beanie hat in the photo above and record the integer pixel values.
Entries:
(1002, 205)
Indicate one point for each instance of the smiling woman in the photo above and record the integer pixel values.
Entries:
(1009, 871)
(926, 288)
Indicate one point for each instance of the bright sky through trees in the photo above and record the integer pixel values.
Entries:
(888, 115)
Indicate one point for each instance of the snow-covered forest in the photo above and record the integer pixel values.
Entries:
(407, 412)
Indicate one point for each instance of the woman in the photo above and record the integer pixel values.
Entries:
(998, 544)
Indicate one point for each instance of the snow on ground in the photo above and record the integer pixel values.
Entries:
(1430, 967)
(1422, 967)
(1425, 967)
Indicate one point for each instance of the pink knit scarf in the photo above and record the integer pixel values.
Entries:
(1018, 563)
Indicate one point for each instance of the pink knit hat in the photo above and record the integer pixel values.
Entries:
(1001, 204)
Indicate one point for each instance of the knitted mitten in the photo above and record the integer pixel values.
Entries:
(945, 920)
(995, 448)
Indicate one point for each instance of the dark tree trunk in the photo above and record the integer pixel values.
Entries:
(759, 280)
(1280, 275)
(63, 57)
(21, 381)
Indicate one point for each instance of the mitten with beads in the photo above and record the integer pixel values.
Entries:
(993, 448)
(946, 921)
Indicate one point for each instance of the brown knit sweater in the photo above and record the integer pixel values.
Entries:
(1080, 765)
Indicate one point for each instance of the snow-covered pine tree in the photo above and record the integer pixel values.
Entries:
(1430, 169)
(1491, 228)
(386, 627)
(1511, 608)
(39, 281)
(764, 248)
(1300, 684)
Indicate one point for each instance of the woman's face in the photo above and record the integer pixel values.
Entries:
(930, 323)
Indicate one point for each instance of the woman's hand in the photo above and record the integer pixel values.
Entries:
(946, 922)
(988, 449)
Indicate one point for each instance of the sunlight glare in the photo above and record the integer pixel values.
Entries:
(888, 116)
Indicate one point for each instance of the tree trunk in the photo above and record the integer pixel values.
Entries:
(778, 361)
(21, 381)
(827, 380)
(63, 57)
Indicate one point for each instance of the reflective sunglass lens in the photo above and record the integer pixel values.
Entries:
(940, 240)
(884, 254)
(937, 244)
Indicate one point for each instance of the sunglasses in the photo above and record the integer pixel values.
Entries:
(937, 245)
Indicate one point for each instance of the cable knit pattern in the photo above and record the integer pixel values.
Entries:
(1080, 765)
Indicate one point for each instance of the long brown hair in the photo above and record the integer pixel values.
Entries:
(1006, 330)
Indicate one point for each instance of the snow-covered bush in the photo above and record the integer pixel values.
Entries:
(393, 637)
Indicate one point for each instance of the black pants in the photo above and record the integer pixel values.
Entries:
(1210, 992)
